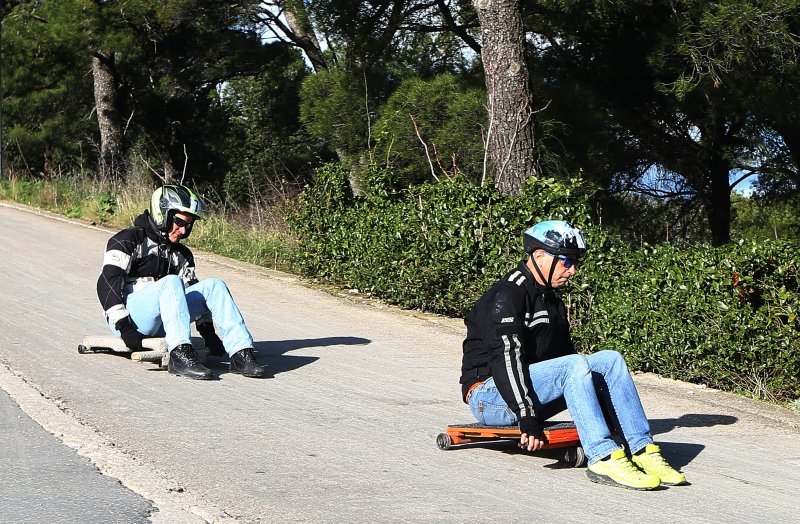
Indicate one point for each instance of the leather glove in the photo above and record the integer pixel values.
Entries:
(532, 427)
(131, 337)
(213, 342)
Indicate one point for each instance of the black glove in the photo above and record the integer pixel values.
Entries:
(213, 342)
(129, 335)
(531, 427)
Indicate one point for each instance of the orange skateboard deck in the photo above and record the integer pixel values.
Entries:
(556, 434)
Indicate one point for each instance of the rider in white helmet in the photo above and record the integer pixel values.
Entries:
(520, 367)
(148, 287)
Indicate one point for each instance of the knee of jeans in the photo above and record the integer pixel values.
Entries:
(172, 280)
(612, 357)
(215, 283)
(579, 367)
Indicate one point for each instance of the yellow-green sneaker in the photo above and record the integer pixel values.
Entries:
(618, 470)
(651, 461)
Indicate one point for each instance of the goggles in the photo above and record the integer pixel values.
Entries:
(567, 260)
(183, 223)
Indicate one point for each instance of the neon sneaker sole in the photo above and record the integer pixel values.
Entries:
(619, 471)
(608, 481)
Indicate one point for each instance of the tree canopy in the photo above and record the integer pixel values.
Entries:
(665, 106)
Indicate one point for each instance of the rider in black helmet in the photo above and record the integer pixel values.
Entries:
(148, 287)
(520, 367)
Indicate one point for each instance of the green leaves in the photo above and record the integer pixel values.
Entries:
(434, 246)
(723, 316)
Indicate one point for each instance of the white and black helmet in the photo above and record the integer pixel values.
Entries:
(170, 199)
(556, 237)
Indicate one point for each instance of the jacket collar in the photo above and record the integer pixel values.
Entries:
(532, 287)
(145, 222)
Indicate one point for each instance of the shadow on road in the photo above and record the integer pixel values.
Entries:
(272, 352)
(690, 420)
(679, 454)
(279, 347)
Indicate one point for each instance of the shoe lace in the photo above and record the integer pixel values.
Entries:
(655, 461)
(186, 353)
(627, 466)
(624, 466)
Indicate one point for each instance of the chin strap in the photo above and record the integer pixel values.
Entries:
(548, 282)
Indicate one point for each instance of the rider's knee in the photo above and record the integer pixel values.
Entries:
(612, 357)
(578, 366)
(172, 280)
(215, 283)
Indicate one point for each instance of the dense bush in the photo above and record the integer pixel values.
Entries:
(433, 247)
(724, 316)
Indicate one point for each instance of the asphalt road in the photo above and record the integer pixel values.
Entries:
(41, 480)
(345, 430)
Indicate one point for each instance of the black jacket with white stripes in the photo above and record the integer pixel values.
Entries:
(516, 323)
(136, 256)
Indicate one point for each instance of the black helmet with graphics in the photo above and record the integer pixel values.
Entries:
(170, 199)
(556, 237)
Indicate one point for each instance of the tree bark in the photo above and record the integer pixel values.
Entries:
(791, 137)
(112, 160)
(511, 134)
(719, 201)
(304, 36)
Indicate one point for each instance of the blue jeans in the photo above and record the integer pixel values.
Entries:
(598, 391)
(165, 308)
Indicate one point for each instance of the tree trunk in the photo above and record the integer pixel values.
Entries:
(112, 162)
(791, 137)
(511, 140)
(718, 207)
(297, 19)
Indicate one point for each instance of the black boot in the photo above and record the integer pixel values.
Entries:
(213, 342)
(244, 362)
(183, 361)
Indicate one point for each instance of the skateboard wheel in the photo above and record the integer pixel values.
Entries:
(575, 457)
(82, 349)
(444, 441)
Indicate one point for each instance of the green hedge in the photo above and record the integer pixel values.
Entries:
(725, 317)
(433, 247)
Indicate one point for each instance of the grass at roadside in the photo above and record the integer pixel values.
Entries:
(224, 236)
(100, 203)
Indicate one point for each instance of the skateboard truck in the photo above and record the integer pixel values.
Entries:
(557, 435)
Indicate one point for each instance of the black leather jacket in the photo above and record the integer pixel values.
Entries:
(135, 256)
(516, 323)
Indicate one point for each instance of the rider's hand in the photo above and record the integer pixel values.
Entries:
(532, 437)
(128, 334)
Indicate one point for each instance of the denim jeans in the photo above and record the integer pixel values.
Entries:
(598, 391)
(165, 308)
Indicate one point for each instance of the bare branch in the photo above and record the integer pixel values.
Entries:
(185, 163)
(427, 153)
